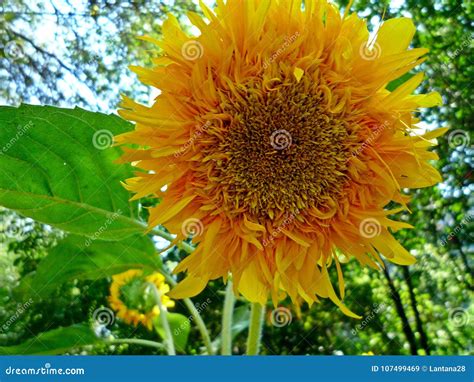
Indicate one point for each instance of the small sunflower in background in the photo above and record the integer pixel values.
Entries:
(134, 301)
(277, 135)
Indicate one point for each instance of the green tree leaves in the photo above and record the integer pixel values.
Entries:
(57, 167)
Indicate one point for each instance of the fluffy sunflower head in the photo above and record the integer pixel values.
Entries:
(132, 299)
(280, 145)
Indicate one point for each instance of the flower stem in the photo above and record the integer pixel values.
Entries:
(135, 341)
(197, 317)
(255, 328)
(228, 310)
(164, 321)
(200, 325)
(167, 236)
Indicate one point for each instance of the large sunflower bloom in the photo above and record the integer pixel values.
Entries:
(131, 298)
(278, 140)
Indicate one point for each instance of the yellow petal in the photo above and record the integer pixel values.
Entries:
(298, 73)
(395, 35)
(189, 287)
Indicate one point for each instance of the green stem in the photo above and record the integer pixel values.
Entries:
(200, 325)
(135, 341)
(255, 328)
(167, 236)
(196, 315)
(226, 335)
(164, 321)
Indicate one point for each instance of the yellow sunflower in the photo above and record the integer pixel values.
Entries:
(132, 299)
(277, 138)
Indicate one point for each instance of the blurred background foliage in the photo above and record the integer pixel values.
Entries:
(66, 53)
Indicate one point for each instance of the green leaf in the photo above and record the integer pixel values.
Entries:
(56, 167)
(399, 81)
(56, 341)
(180, 327)
(240, 320)
(76, 257)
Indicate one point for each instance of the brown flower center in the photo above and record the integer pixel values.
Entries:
(285, 151)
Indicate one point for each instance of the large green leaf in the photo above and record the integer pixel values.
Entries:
(180, 327)
(77, 257)
(57, 167)
(56, 341)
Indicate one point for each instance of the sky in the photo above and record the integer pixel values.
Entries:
(45, 36)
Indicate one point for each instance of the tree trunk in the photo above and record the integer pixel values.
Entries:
(410, 336)
(414, 306)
